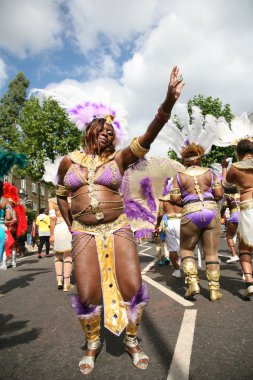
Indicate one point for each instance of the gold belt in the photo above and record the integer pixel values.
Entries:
(102, 229)
(198, 206)
(174, 216)
(246, 205)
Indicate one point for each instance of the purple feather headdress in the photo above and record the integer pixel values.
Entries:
(83, 114)
(146, 187)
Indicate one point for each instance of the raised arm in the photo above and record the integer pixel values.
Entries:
(62, 193)
(140, 146)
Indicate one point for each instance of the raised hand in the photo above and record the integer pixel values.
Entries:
(175, 85)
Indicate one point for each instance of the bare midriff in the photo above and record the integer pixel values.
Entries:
(110, 204)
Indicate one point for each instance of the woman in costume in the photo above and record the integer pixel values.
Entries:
(168, 221)
(61, 238)
(231, 201)
(17, 226)
(197, 189)
(240, 134)
(7, 161)
(103, 247)
(241, 174)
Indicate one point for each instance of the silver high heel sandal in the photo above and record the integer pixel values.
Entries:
(131, 341)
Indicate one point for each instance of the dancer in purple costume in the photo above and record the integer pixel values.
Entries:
(103, 247)
(231, 200)
(198, 189)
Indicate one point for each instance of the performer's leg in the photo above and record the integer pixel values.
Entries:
(67, 271)
(88, 282)
(230, 234)
(210, 238)
(166, 252)
(246, 265)
(189, 235)
(58, 265)
(158, 247)
(132, 290)
(13, 257)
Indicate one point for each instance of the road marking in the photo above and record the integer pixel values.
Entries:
(151, 264)
(180, 365)
(176, 297)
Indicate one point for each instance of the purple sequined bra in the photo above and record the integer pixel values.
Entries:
(107, 175)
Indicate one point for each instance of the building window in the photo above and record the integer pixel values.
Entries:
(42, 191)
(23, 184)
(34, 187)
(34, 206)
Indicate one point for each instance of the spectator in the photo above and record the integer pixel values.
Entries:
(43, 224)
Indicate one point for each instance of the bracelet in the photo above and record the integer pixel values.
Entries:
(163, 112)
(137, 149)
(162, 116)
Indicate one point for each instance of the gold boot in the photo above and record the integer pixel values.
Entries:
(67, 285)
(91, 330)
(139, 358)
(213, 277)
(191, 277)
(59, 283)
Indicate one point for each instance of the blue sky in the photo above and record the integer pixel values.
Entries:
(128, 49)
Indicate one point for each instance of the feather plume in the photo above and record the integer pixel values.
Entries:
(134, 210)
(51, 169)
(146, 186)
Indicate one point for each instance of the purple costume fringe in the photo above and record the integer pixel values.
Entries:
(167, 186)
(83, 311)
(137, 301)
(146, 187)
(144, 232)
(134, 210)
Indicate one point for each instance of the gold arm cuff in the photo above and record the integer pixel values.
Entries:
(61, 191)
(198, 206)
(136, 149)
(175, 191)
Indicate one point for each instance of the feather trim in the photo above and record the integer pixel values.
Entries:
(83, 311)
(134, 210)
(139, 300)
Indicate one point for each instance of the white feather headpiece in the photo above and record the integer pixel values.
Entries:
(83, 108)
(51, 169)
(241, 128)
(200, 131)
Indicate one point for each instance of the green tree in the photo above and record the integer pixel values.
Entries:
(216, 108)
(46, 134)
(10, 107)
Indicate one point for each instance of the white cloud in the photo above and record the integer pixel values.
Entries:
(3, 73)
(97, 22)
(210, 41)
(29, 27)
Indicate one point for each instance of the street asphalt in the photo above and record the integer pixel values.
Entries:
(40, 337)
